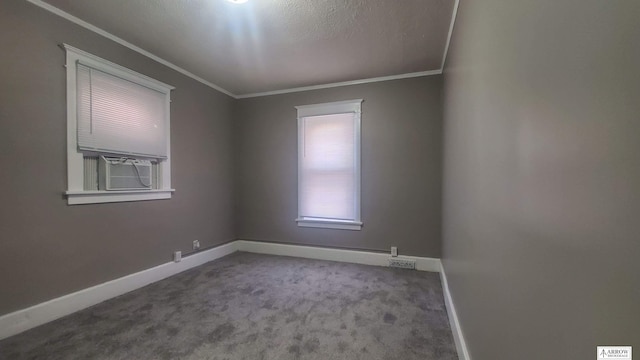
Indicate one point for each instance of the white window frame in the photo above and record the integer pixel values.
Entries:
(331, 108)
(75, 165)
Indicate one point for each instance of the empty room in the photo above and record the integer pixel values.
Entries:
(302, 179)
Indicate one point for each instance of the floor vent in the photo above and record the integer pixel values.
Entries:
(402, 263)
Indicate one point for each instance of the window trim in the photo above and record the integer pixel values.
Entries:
(75, 165)
(337, 107)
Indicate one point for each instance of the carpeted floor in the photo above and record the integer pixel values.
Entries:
(251, 306)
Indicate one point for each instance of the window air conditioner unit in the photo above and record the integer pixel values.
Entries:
(124, 174)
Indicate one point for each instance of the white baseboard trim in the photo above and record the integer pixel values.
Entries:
(333, 254)
(458, 337)
(25, 319)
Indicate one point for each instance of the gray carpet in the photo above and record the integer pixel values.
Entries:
(251, 306)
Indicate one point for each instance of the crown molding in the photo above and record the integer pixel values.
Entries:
(108, 35)
(343, 83)
(454, 14)
(97, 30)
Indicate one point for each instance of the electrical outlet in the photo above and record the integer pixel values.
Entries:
(196, 244)
(394, 251)
(177, 256)
(402, 263)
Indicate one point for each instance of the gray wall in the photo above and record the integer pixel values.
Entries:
(401, 167)
(542, 177)
(49, 248)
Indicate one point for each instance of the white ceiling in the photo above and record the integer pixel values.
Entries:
(269, 45)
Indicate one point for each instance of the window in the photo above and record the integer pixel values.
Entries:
(329, 165)
(117, 132)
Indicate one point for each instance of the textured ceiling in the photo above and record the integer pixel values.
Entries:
(266, 45)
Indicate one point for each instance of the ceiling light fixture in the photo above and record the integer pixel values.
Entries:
(238, 1)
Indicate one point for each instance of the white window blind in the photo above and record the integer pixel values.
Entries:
(119, 116)
(329, 165)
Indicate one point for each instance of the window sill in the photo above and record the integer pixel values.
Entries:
(330, 224)
(96, 197)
